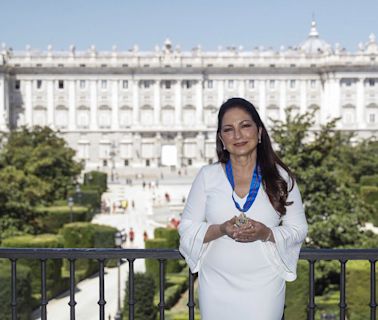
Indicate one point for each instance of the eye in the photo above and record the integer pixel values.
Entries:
(227, 130)
(247, 125)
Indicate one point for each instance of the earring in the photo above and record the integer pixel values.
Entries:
(224, 147)
(259, 139)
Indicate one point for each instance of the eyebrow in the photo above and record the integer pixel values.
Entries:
(230, 125)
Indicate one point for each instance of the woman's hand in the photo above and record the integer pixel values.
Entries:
(252, 231)
(229, 228)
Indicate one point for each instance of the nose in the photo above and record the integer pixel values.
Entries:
(237, 133)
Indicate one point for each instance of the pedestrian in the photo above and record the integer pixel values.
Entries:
(133, 204)
(145, 235)
(131, 235)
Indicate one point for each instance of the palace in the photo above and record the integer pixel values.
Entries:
(136, 109)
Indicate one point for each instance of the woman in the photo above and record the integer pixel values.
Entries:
(243, 223)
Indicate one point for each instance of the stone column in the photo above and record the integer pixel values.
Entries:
(179, 147)
(262, 99)
(199, 103)
(28, 103)
(361, 123)
(241, 88)
(72, 105)
(115, 91)
(50, 103)
(283, 98)
(220, 89)
(303, 94)
(157, 107)
(135, 90)
(93, 105)
(178, 103)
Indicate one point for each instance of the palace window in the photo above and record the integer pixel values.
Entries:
(251, 84)
(39, 84)
(125, 84)
(17, 84)
(313, 84)
(167, 84)
(104, 84)
(230, 84)
(371, 82)
(60, 84)
(272, 84)
(209, 84)
(292, 84)
(82, 84)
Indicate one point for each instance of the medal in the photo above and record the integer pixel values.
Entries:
(253, 189)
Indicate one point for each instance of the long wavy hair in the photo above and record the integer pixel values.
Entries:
(274, 185)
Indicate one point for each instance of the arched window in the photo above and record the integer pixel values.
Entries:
(371, 114)
(61, 117)
(348, 114)
(168, 115)
(146, 115)
(83, 117)
(125, 116)
(40, 116)
(104, 116)
(189, 115)
(210, 116)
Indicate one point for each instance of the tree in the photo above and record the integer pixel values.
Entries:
(36, 167)
(335, 211)
(40, 152)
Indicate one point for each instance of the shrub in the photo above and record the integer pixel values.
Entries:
(87, 235)
(357, 289)
(297, 294)
(369, 180)
(96, 179)
(152, 265)
(23, 287)
(51, 219)
(53, 266)
(369, 194)
(144, 287)
(172, 239)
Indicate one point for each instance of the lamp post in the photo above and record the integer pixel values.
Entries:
(70, 204)
(78, 193)
(118, 243)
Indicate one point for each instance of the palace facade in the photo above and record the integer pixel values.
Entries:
(135, 109)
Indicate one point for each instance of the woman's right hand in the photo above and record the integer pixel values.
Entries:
(229, 228)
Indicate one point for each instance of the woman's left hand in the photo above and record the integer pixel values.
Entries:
(252, 231)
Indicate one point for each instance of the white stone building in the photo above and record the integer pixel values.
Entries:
(134, 109)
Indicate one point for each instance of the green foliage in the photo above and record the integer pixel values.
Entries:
(327, 169)
(369, 194)
(357, 290)
(172, 239)
(90, 196)
(96, 179)
(36, 167)
(51, 219)
(23, 287)
(152, 265)
(144, 287)
(297, 294)
(369, 180)
(53, 266)
(86, 235)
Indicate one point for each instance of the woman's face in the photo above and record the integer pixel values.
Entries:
(239, 132)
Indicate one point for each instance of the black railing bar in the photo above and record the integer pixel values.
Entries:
(44, 300)
(161, 288)
(14, 289)
(373, 303)
(191, 304)
(92, 253)
(72, 302)
(342, 304)
(131, 301)
(101, 301)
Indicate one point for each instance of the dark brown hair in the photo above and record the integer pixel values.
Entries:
(274, 185)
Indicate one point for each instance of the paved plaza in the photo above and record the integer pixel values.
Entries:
(151, 209)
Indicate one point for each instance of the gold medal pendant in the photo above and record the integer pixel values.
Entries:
(241, 219)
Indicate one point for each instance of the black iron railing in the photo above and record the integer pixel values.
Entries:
(311, 255)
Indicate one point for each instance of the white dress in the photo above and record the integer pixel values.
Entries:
(240, 281)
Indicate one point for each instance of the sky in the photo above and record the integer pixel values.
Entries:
(209, 23)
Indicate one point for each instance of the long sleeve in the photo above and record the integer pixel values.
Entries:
(193, 225)
(289, 237)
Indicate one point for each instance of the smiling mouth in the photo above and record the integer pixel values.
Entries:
(240, 144)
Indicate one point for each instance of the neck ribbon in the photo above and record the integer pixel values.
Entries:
(253, 189)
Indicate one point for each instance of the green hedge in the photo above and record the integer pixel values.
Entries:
(297, 294)
(86, 235)
(357, 289)
(152, 265)
(96, 179)
(144, 287)
(53, 266)
(172, 239)
(369, 180)
(369, 194)
(53, 218)
(24, 291)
